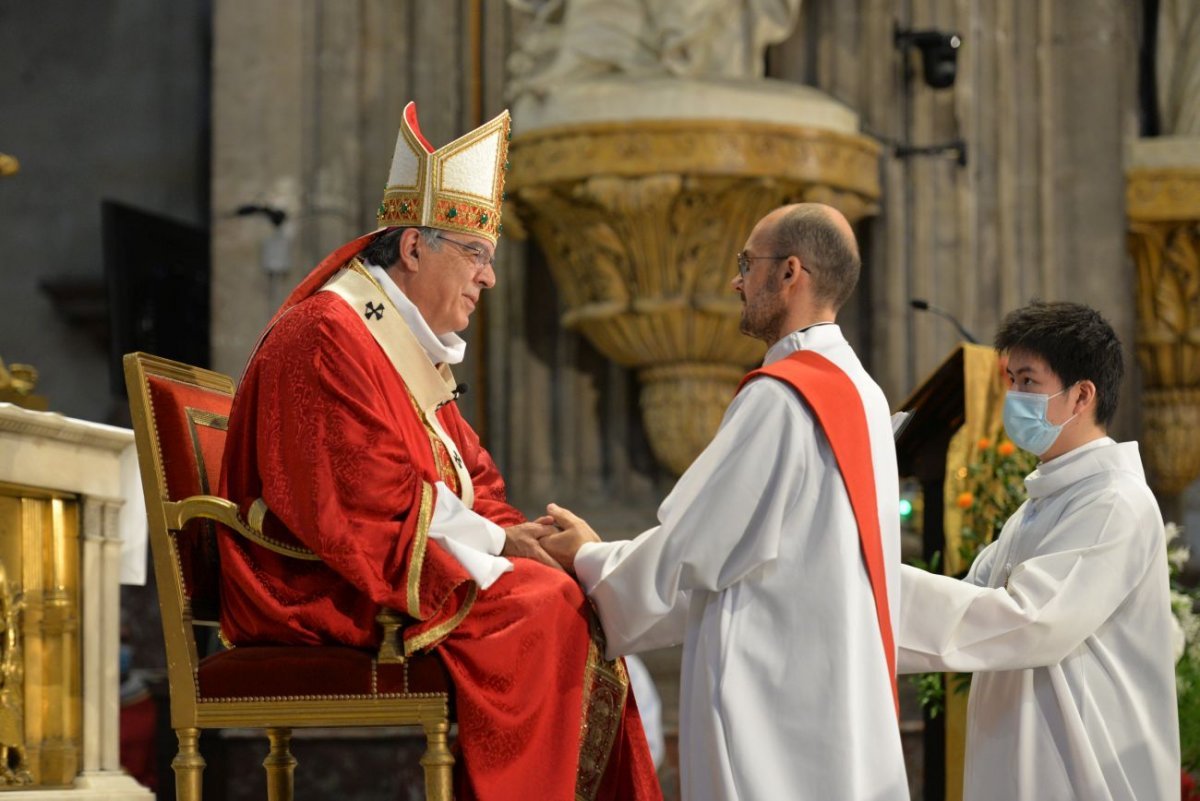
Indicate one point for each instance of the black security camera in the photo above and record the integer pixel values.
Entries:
(939, 54)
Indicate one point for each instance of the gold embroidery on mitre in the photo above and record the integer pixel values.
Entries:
(458, 187)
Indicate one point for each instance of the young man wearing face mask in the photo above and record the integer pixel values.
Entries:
(1065, 619)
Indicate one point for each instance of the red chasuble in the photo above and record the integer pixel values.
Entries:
(326, 433)
(835, 402)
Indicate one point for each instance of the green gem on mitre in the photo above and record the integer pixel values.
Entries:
(483, 218)
(404, 207)
(500, 228)
(451, 213)
(382, 209)
(506, 165)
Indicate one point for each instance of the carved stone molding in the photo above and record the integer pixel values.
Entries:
(1164, 239)
(641, 222)
(1158, 194)
(1171, 434)
(843, 162)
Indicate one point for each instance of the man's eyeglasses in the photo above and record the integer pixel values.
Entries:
(478, 256)
(744, 259)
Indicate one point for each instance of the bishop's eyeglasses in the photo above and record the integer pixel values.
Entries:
(478, 256)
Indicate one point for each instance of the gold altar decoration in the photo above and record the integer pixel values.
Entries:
(40, 692)
(641, 221)
(1163, 204)
(8, 165)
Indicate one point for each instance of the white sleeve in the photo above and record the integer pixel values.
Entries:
(472, 539)
(1084, 569)
(980, 573)
(666, 627)
(722, 521)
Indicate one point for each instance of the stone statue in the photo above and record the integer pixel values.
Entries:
(1178, 66)
(572, 40)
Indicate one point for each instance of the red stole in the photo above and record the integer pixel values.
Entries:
(835, 402)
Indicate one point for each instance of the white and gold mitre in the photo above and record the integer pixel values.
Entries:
(458, 187)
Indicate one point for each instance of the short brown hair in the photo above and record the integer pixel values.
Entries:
(809, 232)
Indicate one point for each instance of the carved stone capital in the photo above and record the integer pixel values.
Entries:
(1171, 435)
(641, 222)
(1163, 204)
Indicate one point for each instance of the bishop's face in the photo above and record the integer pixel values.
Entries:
(758, 283)
(454, 270)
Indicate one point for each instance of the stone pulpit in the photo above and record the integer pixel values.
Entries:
(70, 503)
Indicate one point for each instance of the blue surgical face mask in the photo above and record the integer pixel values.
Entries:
(1025, 421)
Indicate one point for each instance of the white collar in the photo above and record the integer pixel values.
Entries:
(1098, 456)
(446, 348)
(815, 336)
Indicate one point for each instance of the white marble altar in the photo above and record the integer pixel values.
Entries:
(98, 464)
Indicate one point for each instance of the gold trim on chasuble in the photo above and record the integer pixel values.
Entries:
(417, 560)
(435, 635)
(442, 460)
(605, 686)
(427, 639)
(429, 388)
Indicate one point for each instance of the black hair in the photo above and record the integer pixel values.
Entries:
(1074, 341)
(384, 250)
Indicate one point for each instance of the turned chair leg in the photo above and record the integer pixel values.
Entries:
(280, 765)
(438, 763)
(189, 766)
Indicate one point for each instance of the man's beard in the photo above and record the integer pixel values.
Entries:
(763, 319)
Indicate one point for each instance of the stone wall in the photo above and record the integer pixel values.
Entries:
(98, 100)
(307, 104)
(1046, 101)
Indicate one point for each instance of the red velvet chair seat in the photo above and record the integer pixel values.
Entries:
(278, 671)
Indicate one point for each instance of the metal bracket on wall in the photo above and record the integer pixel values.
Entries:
(958, 147)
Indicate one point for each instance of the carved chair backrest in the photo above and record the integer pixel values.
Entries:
(180, 415)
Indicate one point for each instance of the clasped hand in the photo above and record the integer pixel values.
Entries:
(553, 539)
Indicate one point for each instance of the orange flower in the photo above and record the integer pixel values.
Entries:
(1006, 449)
(984, 443)
(965, 499)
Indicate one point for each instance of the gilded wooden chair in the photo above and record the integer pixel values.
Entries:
(180, 415)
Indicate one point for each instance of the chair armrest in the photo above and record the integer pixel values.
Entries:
(226, 512)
